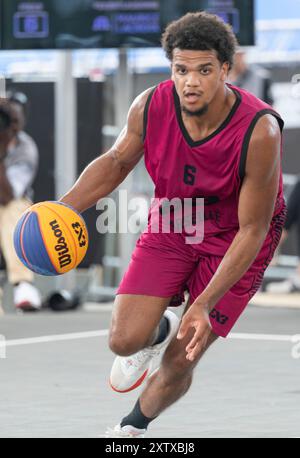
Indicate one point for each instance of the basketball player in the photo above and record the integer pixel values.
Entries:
(200, 137)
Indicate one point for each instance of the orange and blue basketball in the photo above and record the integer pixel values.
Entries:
(51, 238)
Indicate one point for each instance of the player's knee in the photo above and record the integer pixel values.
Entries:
(123, 345)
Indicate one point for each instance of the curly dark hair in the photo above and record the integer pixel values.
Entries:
(201, 32)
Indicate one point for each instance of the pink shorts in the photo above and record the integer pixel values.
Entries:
(163, 265)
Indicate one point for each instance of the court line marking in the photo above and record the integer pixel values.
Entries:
(104, 333)
(56, 338)
(263, 337)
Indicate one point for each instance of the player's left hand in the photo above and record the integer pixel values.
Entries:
(197, 317)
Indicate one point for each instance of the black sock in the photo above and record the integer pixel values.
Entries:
(136, 418)
(163, 331)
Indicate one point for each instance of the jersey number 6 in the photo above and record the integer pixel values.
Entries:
(190, 175)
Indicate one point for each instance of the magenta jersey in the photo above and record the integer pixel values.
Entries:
(212, 168)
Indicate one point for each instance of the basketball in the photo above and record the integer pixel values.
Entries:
(51, 238)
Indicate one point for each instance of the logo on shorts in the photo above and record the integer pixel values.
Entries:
(221, 319)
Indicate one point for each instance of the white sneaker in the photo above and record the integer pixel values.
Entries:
(129, 372)
(284, 287)
(125, 432)
(27, 297)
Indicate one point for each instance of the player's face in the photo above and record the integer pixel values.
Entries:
(198, 76)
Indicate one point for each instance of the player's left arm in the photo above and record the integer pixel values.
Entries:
(256, 207)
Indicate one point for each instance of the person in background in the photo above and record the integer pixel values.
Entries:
(18, 167)
(292, 284)
(252, 78)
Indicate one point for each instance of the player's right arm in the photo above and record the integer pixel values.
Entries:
(107, 172)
